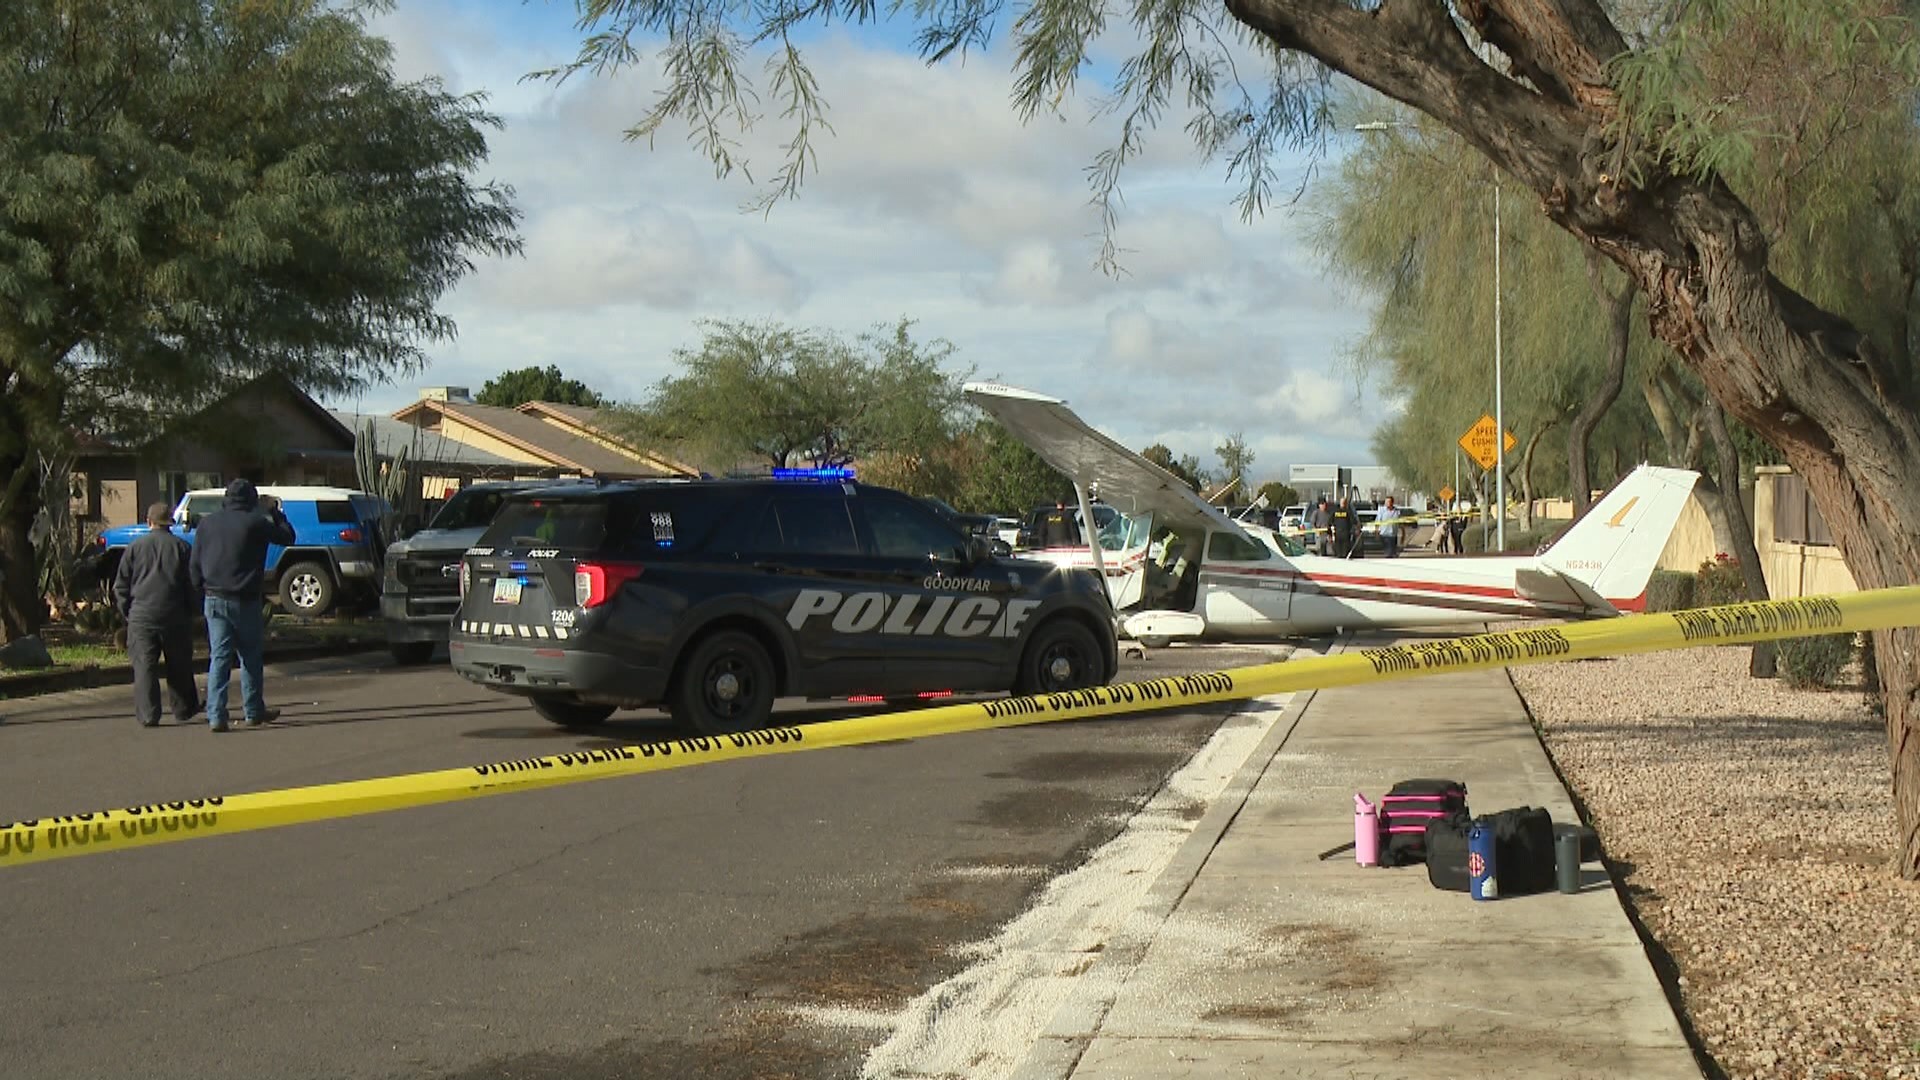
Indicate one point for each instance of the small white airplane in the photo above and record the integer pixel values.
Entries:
(1176, 567)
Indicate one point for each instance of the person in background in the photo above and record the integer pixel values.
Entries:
(1457, 525)
(1346, 534)
(154, 592)
(1441, 533)
(1387, 519)
(1320, 522)
(229, 568)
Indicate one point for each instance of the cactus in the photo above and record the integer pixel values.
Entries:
(390, 480)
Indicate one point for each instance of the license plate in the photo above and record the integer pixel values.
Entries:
(506, 590)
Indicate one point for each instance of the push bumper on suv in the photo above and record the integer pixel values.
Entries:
(528, 669)
(420, 594)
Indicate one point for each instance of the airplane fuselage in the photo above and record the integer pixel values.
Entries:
(1315, 594)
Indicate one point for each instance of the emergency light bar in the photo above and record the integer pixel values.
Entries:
(824, 475)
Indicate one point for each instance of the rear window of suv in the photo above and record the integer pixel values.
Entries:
(572, 524)
(648, 522)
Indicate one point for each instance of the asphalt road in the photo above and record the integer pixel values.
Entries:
(653, 926)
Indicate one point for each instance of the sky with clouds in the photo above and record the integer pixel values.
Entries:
(932, 201)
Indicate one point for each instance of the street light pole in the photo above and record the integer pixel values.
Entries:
(1499, 417)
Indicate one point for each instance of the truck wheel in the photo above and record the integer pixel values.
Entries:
(571, 714)
(725, 686)
(411, 653)
(307, 589)
(1061, 656)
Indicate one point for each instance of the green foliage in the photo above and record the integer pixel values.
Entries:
(197, 192)
(1278, 495)
(1009, 478)
(1718, 581)
(1518, 540)
(510, 389)
(1186, 468)
(1670, 590)
(1409, 219)
(1815, 662)
(783, 396)
(392, 480)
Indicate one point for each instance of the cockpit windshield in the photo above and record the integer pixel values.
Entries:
(1122, 531)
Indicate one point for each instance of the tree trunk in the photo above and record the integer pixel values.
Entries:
(1761, 664)
(1526, 471)
(22, 609)
(1803, 378)
(1619, 306)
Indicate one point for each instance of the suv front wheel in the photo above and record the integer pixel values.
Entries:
(307, 589)
(725, 687)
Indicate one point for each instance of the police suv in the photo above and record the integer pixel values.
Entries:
(714, 597)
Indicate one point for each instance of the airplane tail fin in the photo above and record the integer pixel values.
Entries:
(1613, 548)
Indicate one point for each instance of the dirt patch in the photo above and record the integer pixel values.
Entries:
(1264, 1014)
(1041, 809)
(1350, 967)
(1067, 768)
(880, 961)
(752, 1047)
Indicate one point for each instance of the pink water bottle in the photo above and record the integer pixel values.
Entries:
(1366, 831)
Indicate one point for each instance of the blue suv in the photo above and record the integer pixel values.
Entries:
(334, 553)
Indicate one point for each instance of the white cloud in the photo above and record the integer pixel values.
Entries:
(932, 201)
(583, 257)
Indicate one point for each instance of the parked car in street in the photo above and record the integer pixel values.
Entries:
(334, 556)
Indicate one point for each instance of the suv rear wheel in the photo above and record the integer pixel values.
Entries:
(1062, 656)
(571, 714)
(307, 589)
(725, 686)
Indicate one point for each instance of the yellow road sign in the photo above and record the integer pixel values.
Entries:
(1478, 442)
(1446, 493)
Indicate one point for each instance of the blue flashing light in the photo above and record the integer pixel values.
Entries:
(827, 475)
(517, 567)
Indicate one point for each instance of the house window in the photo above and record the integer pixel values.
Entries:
(174, 485)
(1795, 519)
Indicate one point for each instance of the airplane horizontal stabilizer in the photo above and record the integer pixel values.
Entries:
(1545, 585)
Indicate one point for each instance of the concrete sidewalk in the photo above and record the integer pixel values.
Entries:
(1254, 958)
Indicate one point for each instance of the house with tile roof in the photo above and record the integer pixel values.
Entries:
(567, 439)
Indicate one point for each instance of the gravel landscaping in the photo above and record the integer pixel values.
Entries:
(1752, 828)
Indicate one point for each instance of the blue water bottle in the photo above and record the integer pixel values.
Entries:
(1483, 874)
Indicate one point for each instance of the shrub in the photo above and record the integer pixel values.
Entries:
(1718, 581)
(1670, 590)
(1522, 541)
(1815, 662)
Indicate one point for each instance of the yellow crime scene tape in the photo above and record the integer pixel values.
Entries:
(158, 823)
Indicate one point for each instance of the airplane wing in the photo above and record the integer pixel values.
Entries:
(1126, 480)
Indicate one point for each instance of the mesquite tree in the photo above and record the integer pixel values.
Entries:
(194, 193)
(1611, 138)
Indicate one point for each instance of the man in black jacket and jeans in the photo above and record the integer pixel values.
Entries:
(229, 566)
(154, 591)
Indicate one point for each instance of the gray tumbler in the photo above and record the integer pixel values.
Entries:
(1566, 860)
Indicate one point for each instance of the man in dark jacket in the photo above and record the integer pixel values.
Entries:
(154, 592)
(1346, 529)
(229, 567)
